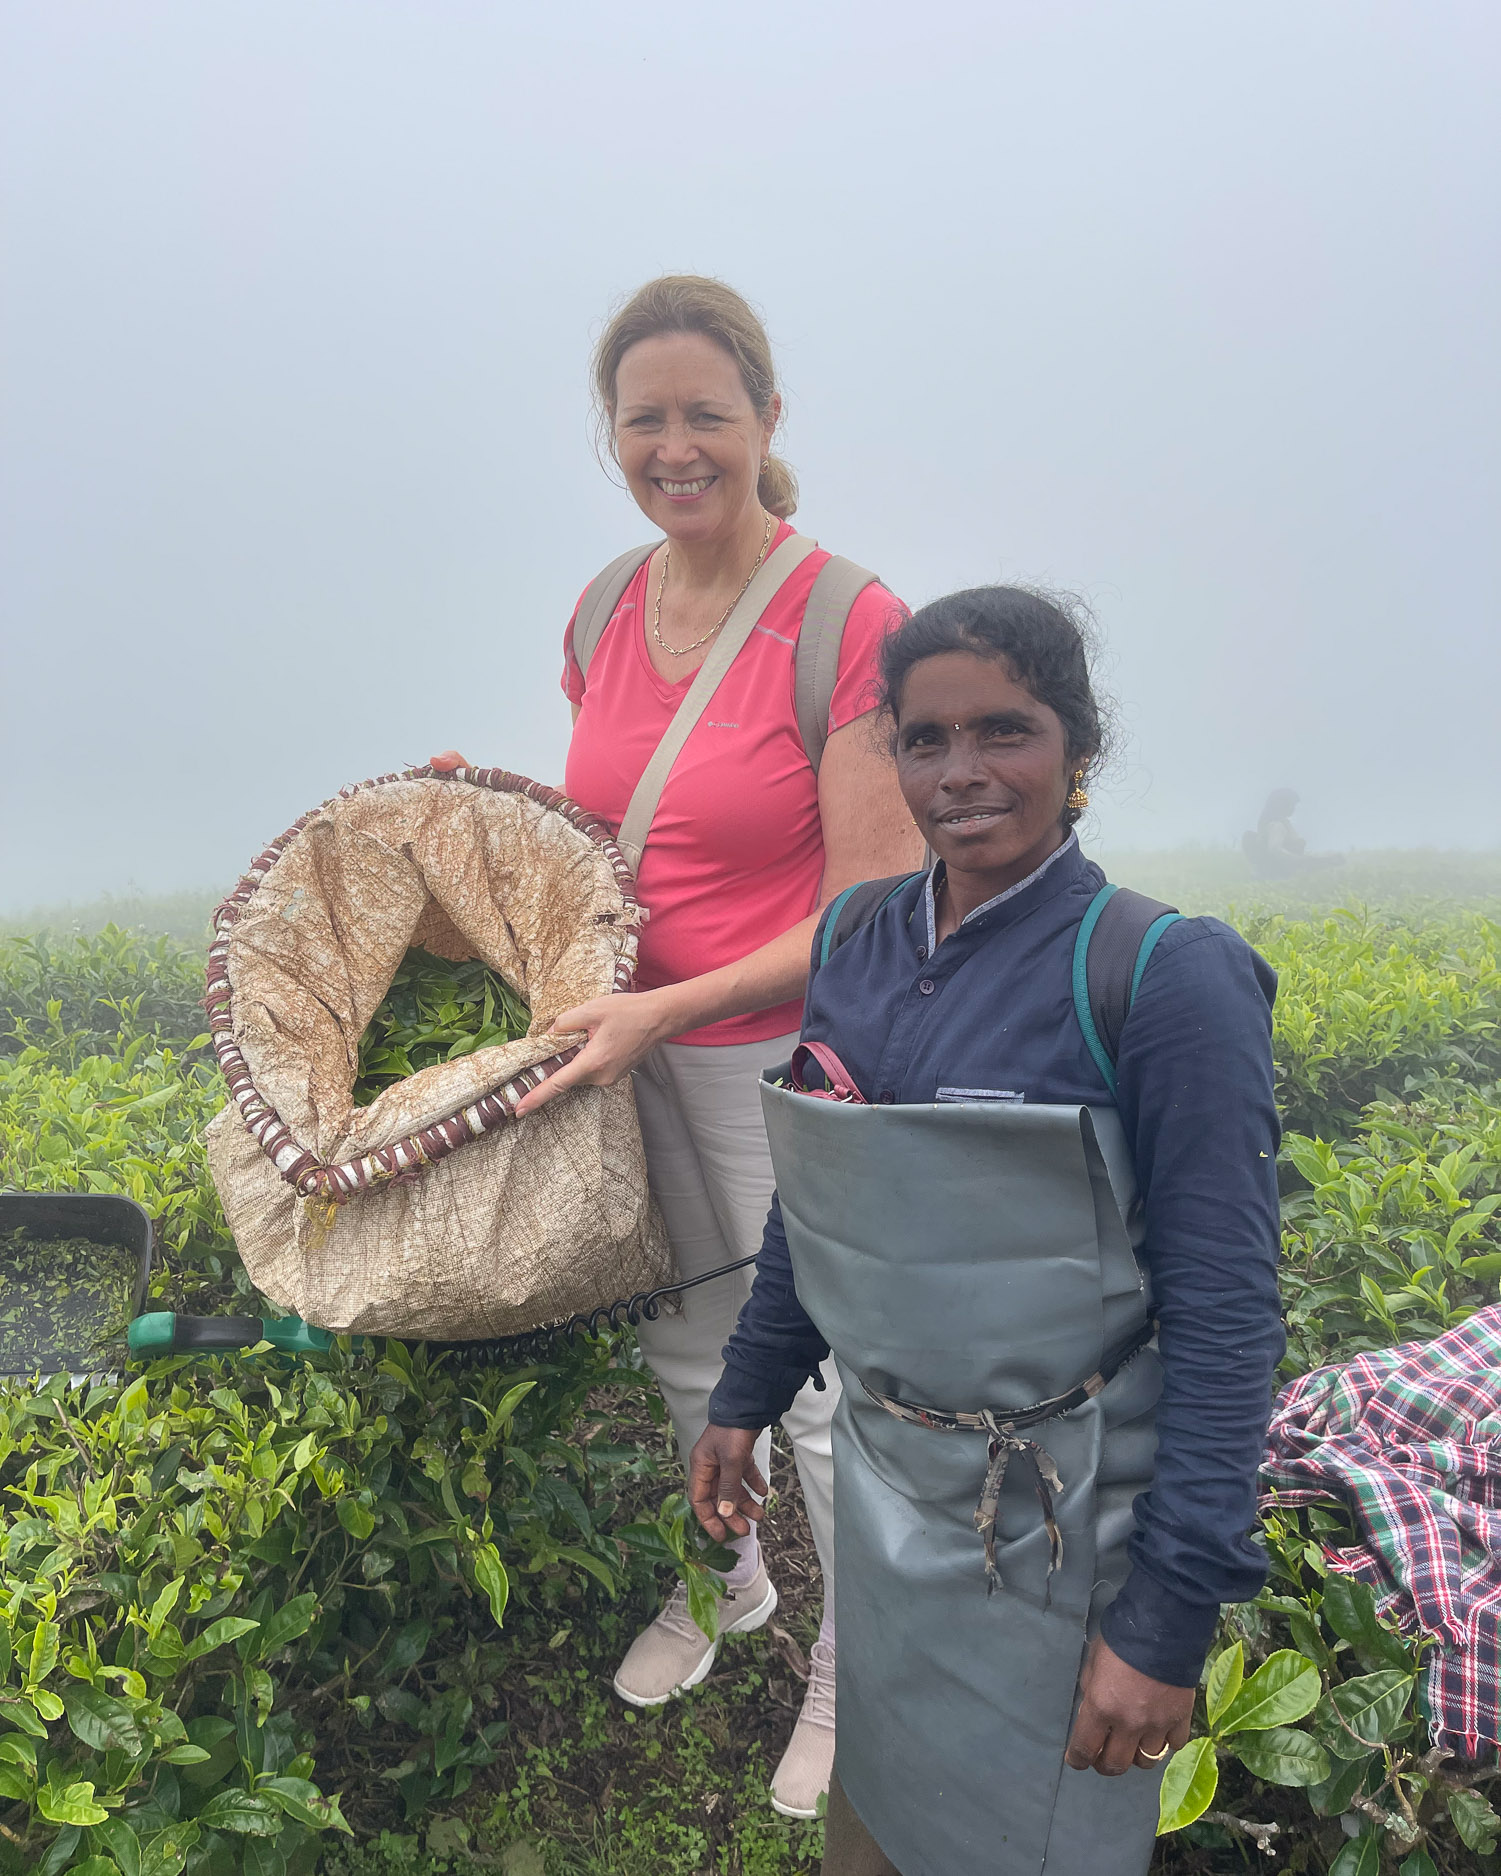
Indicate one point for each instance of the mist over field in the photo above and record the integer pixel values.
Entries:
(1189, 309)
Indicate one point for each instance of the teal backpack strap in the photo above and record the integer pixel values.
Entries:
(1102, 1061)
(1148, 945)
(857, 905)
(1117, 936)
(831, 923)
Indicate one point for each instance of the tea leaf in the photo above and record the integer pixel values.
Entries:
(119, 1838)
(240, 1812)
(1281, 1755)
(1475, 1820)
(1330, 1797)
(1373, 1708)
(355, 1518)
(301, 1799)
(106, 1724)
(1285, 1687)
(1349, 1607)
(490, 1574)
(293, 1619)
(1360, 1858)
(1188, 1786)
(704, 1592)
(1226, 1673)
(228, 1628)
(73, 1804)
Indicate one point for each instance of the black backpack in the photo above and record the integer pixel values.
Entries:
(1117, 936)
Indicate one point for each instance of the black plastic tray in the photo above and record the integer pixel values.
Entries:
(103, 1217)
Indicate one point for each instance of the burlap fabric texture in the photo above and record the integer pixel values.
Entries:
(433, 1213)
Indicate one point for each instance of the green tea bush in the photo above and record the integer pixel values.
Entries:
(1387, 1043)
(1422, 886)
(82, 994)
(223, 1578)
(1322, 1749)
(186, 916)
(251, 1603)
(128, 1123)
(1369, 1008)
(207, 1588)
(1396, 1238)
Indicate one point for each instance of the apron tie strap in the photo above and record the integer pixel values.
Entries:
(1006, 1440)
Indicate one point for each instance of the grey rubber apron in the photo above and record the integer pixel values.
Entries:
(965, 1257)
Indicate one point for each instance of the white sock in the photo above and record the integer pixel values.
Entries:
(747, 1551)
(826, 1628)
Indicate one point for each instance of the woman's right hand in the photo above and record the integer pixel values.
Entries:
(722, 1475)
(449, 761)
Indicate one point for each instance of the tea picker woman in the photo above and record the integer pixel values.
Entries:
(1038, 1228)
(723, 682)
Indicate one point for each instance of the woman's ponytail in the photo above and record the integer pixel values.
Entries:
(777, 488)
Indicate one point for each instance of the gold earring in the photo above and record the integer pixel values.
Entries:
(1078, 800)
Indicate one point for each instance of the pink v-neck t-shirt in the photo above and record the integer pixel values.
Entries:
(736, 850)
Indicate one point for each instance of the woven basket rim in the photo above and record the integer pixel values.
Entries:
(408, 1157)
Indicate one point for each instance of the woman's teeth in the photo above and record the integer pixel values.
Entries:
(685, 488)
(959, 820)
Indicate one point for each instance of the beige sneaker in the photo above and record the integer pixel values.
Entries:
(673, 1654)
(802, 1778)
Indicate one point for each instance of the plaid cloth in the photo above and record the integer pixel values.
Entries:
(1410, 1440)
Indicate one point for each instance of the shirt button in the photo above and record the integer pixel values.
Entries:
(926, 986)
(886, 1097)
(922, 952)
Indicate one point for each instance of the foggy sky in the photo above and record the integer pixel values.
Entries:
(1192, 309)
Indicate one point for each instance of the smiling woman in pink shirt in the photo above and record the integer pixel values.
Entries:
(751, 836)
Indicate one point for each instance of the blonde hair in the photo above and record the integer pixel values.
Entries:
(694, 303)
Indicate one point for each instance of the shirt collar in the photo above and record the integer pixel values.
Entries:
(1069, 845)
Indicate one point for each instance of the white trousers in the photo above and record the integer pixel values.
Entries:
(710, 1169)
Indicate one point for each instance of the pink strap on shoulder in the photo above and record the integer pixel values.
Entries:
(841, 1082)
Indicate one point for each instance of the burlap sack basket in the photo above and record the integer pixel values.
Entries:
(433, 1213)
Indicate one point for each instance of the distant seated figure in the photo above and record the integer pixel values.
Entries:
(1276, 850)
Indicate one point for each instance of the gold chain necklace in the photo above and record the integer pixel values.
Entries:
(682, 651)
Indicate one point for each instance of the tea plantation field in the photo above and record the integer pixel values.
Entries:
(357, 1614)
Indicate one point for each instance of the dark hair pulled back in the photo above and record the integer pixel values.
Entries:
(1045, 640)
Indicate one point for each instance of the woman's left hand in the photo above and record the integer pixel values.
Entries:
(1125, 1718)
(622, 1030)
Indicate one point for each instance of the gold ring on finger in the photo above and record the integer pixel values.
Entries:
(1155, 1758)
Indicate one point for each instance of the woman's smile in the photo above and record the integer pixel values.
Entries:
(969, 817)
(685, 491)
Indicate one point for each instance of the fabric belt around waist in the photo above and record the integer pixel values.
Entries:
(1005, 1440)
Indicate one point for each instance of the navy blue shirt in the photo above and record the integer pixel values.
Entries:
(992, 1009)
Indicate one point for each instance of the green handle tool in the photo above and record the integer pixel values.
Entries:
(160, 1332)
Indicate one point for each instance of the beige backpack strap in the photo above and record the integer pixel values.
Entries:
(722, 653)
(601, 596)
(838, 586)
